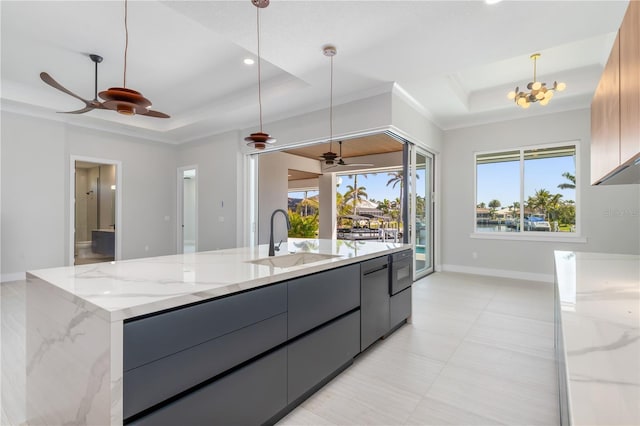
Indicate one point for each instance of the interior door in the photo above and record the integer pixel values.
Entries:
(187, 209)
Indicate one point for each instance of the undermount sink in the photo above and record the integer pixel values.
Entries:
(295, 259)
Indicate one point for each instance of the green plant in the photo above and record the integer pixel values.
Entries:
(303, 226)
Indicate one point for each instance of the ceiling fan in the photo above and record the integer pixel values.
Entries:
(330, 160)
(121, 99)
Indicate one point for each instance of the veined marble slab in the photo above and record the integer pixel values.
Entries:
(126, 289)
(599, 296)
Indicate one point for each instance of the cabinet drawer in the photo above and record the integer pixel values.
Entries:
(248, 396)
(152, 338)
(316, 299)
(400, 307)
(159, 380)
(317, 355)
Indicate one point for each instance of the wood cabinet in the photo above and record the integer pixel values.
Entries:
(615, 109)
(630, 84)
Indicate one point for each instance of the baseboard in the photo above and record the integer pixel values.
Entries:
(14, 276)
(501, 273)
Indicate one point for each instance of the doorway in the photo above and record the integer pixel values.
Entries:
(95, 211)
(187, 209)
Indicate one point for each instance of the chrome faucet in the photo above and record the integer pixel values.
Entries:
(272, 250)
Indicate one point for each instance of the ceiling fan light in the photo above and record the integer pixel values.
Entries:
(544, 101)
(549, 95)
(540, 95)
(560, 86)
(511, 95)
(536, 86)
(522, 100)
(526, 105)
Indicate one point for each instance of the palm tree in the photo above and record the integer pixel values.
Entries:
(571, 178)
(397, 178)
(343, 208)
(356, 194)
(541, 200)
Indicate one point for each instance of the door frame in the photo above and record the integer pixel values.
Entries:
(180, 207)
(72, 203)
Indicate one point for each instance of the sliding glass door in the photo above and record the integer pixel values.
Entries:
(422, 211)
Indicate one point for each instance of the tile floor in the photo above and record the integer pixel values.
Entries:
(478, 351)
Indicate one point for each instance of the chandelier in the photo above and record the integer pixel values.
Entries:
(538, 92)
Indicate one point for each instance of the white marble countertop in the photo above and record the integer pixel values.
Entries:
(600, 316)
(125, 289)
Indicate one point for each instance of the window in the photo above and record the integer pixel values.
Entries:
(527, 190)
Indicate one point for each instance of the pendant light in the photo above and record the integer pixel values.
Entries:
(122, 99)
(260, 139)
(330, 157)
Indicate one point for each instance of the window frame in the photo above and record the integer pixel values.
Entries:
(574, 237)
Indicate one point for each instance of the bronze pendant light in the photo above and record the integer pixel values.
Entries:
(122, 99)
(259, 139)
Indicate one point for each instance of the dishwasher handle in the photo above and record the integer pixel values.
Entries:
(375, 269)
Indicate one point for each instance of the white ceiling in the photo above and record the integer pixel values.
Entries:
(455, 59)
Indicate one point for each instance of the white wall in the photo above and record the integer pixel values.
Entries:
(35, 191)
(148, 187)
(354, 117)
(414, 126)
(218, 161)
(604, 230)
(272, 195)
(33, 202)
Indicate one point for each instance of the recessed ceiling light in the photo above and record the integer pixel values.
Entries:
(249, 61)
(492, 1)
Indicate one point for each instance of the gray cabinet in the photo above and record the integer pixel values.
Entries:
(316, 299)
(249, 396)
(400, 307)
(317, 356)
(374, 303)
(157, 381)
(103, 242)
(250, 357)
(151, 338)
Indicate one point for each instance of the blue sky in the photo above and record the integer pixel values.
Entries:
(501, 181)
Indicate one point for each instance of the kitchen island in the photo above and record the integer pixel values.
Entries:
(597, 326)
(228, 336)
